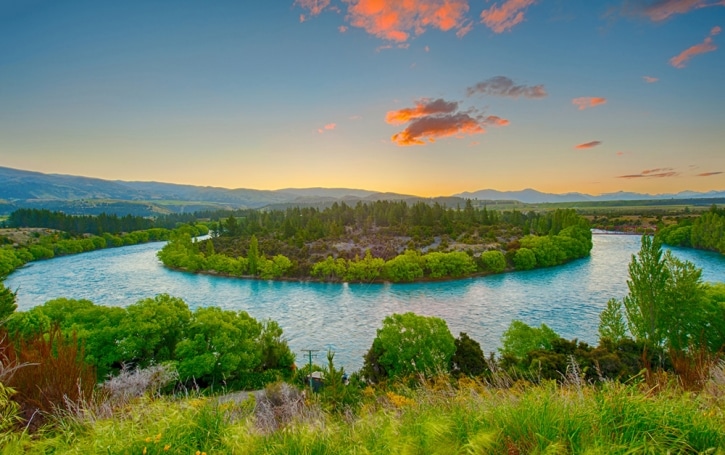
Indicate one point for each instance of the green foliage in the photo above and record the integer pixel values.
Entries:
(410, 344)
(276, 267)
(9, 412)
(7, 302)
(253, 255)
(612, 324)
(647, 284)
(152, 328)
(275, 352)
(364, 270)
(218, 346)
(455, 264)
(406, 267)
(524, 259)
(493, 261)
(336, 395)
(330, 269)
(468, 359)
(520, 339)
(667, 304)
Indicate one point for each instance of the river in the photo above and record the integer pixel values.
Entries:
(345, 317)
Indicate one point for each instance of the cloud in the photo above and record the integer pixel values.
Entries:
(708, 174)
(652, 173)
(585, 102)
(679, 60)
(650, 79)
(342, 28)
(661, 10)
(315, 7)
(423, 108)
(397, 20)
(587, 145)
(503, 86)
(500, 18)
(328, 127)
(657, 170)
(431, 120)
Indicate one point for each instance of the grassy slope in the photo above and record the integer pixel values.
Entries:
(438, 418)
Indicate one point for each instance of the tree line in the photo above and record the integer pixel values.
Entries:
(705, 232)
(381, 241)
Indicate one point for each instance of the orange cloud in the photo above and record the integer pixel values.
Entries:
(431, 120)
(679, 60)
(434, 127)
(342, 28)
(315, 7)
(328, 127)
(396, 20)
(587, 145)
(658, 170)
(651, 173)
(503, 86)
(650, 79)
(423, 108)
(504, 17)
(663, 9)
(708, 174)
(585, 102)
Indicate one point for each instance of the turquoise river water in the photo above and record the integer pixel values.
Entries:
(345, 317)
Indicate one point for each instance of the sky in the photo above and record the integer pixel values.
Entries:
(423, 97)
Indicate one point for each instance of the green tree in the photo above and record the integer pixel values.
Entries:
(404, 267)
(524, 259)
(8, 303)
(612, 324)
(468, 359)
(493, 261)
(253, 255)
(152, 328)
(520, 339)
(648, 276)
(219, 346)
(275, 352)
(410, 344)
(330, 269)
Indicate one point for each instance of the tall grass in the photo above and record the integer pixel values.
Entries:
(435, 418)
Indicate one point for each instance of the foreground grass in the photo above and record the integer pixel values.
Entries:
(435, 419)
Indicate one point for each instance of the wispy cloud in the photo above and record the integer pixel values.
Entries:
(587, 145)
(314, 7)
(708, 174)
(504, 16)
(423, 107)
(650, 79)
(432, 120)
(657, 173)
(397, 20)
(658, 170)
(342, 28)
(679, 60)
(585, 102)
(660, 10)
(328, 127)
(503, 86)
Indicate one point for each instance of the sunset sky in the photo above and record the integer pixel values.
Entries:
(425, 97)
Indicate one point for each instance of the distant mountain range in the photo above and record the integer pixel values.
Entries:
(84, 195)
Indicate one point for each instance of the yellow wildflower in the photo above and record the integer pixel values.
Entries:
(167, 447)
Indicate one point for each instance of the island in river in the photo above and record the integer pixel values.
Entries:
(381, 241)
